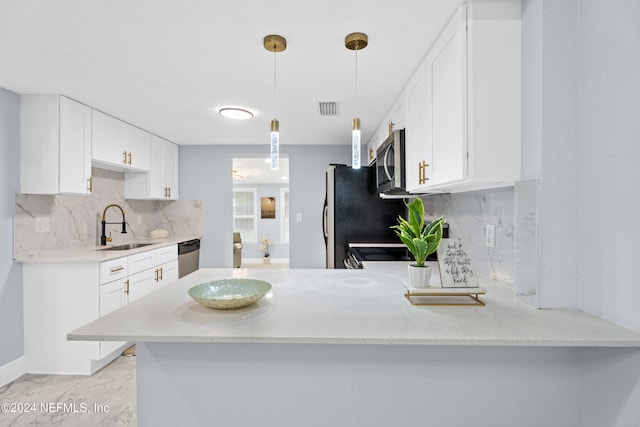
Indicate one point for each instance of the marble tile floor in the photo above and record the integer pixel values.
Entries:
(106, 398)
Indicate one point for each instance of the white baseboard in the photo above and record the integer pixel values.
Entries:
(12, 370)
(259, 260)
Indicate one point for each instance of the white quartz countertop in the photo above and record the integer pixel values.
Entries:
(95, 254)
(347, 307)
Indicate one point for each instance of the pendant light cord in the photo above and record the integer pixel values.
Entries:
(356, 82)
(275, 114)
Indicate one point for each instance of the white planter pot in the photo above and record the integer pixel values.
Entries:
(419, 277)
(266, 260)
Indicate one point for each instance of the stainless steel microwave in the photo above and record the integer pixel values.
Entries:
(390, 172)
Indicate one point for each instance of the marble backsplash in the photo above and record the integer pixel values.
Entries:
(467, 214)
(75, 220)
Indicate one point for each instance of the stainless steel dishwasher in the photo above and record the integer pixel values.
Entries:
(188, 257)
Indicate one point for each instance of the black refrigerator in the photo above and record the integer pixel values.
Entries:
(354, 213)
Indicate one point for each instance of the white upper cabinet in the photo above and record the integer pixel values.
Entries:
(55, 145)
(162, 180)
(418, 143)
(446, 68)
(463, 103)
(118, 145)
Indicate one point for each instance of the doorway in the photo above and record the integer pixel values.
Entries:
(261, 212)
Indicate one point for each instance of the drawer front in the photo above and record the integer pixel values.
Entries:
(140, 262)
(113, 270)
(164, 255)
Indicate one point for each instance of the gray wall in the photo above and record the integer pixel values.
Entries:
(581, 104)
(267, 227)
(205, 174)
(609, 139)
(11, 315)
(550, 147)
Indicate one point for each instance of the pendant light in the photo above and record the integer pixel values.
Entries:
(356, 41)
(275, 43)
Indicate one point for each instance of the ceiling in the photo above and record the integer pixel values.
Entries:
(166, 66)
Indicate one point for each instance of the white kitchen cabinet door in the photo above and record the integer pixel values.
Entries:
(161, 182)
(75, 147)
(466, 134)
(112, 297)
(140, 261)
(400, 112)
(137, 144)
(141, 284)
(165, 254)
(118, 145)
(167, 273)
(418, 141)
(447, 68)
(55, 145)
(170, 153)
(113, 269)
(106, 144)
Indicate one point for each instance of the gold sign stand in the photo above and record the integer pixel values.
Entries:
(445, 296)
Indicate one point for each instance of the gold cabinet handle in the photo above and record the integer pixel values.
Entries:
(156, 271)
(160, 273)
(422, 172)
(90, 184)
(370, 153)
(116, 269)
(169, 191)
(126, 288)
(124, 157)
(130, 155)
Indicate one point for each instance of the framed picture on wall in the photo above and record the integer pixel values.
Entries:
(267, 207)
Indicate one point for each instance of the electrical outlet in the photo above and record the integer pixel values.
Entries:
(298, 216)
(43, 225)
(490, 235)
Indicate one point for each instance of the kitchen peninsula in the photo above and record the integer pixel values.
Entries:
(331, 347)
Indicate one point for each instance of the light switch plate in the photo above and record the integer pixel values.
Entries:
(298, 216)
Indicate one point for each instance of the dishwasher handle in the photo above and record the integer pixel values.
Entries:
(188, 246)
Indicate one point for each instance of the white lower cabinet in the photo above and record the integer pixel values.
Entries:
(112, 297)
(59, 298)
(168, 273)
(141, 284)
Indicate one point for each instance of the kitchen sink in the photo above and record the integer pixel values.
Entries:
(125, 247)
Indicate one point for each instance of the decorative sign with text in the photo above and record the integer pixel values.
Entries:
(456, 270)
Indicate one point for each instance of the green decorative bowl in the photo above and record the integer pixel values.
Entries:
(229, 293)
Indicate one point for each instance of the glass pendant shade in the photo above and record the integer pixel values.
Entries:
(355, 144)
(275, 144)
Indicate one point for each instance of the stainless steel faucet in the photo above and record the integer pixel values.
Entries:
(103, 238)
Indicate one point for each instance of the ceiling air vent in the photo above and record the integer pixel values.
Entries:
(328, 108)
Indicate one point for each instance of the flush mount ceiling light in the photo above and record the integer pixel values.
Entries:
(275, 43)
(356, 41)
(235, 113)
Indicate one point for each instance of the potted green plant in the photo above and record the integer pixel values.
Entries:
(421, 240)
